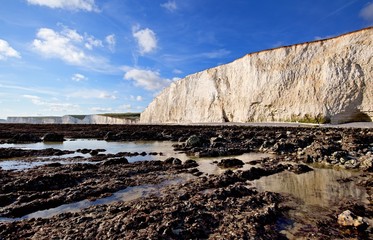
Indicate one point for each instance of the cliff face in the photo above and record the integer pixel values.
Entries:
(322, 81)
(89, 119)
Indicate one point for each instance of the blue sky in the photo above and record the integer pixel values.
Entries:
(62, 57)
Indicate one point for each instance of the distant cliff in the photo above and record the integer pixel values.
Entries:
(79, 119)
(323, 81)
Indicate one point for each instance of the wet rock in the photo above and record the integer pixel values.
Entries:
(191, 163)
(349, 219)
(53, 137)
(114, 161)
(172, 160)
(231, 163)
(281, 147)
(24, 137)
(84, 150)
(110, 136)
(195, 141)
(93, 152)
(300, 168)
(366, 162)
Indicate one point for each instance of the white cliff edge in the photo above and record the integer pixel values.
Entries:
(323, 81)
(89, 119)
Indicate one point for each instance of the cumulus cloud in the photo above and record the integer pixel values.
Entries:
(53, 44)
(6, 51)
(68, 45)
(78, 77)
(147, 79)
(367, 12)
(146, 40)
(74, 5)
(50, 105)
(111, 41)
(170, 6)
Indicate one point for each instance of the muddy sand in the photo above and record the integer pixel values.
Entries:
(300, 182)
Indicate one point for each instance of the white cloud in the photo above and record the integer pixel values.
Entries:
(101, 109)
(53, 44)
(92, 42)
(6, 51)
(147, 79)
(136, 98)
(68, 45)
(52, 106)
(92, 94)
(72, 34)
(367, 12)
(216, 54)
(146, 40)
(111, 41)
(177, 71)
(78, 77)
(125, 107)
(75, 5)
(170, 6)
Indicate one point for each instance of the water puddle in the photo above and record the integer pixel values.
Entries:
(319, 187)
(19, 165)
(126, 195)
(110, 147)
(207, 165)
(318, 192)
(163, 147)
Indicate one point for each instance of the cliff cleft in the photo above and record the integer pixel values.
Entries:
(328, 80)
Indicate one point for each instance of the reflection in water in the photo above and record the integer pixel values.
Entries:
(206, 165)
(319, 187)
(126, 195)
(110, 147)
(164, 147)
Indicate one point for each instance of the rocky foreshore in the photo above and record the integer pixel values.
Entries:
(185, 202)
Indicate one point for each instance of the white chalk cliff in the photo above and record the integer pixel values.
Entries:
(321, 81)
(67, 119)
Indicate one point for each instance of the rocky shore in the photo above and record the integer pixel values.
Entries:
(184, 202)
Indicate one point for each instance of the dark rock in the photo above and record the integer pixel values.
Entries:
(53, 137)
(24, 137)
(300, 168)
(231, 163)
(191, 163)
(196, 141)
(114, 161)
(94, 152)
(172, 160)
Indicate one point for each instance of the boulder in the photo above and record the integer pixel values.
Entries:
(53, 137)
(231, 163)
(349, 219)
